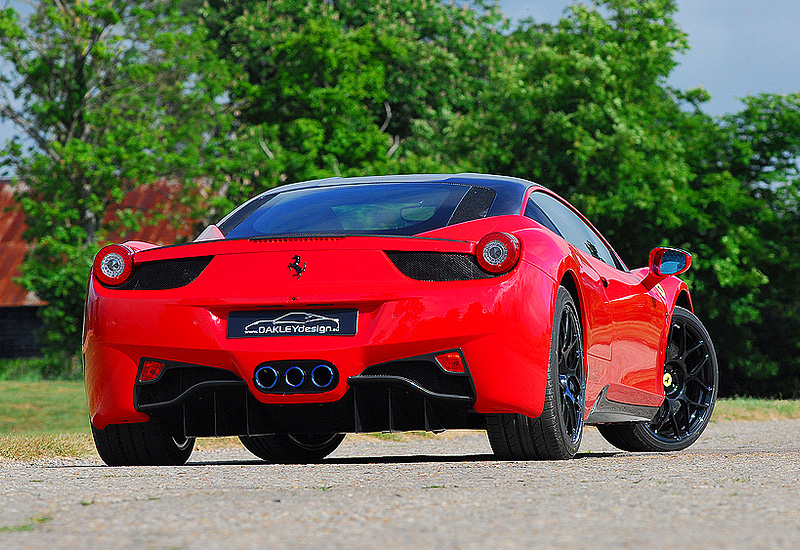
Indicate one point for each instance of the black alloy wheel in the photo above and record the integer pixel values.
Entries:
(570, 373)
(691, 381)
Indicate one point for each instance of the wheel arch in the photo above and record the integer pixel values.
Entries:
(568, 281)
(678, 297)
(676, 293)
(684, 300)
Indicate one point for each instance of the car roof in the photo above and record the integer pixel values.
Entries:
(510, 191)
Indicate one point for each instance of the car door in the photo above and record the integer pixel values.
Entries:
(639, 318)
(616, 298)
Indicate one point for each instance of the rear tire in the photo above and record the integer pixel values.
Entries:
(557, 433)
(292, 448)
(141, 444)
(691, 379)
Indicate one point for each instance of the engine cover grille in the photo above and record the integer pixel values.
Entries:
(438, 266)
(165, 274)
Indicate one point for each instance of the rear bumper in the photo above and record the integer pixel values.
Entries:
(502, 328)
(234, 411)
(400, 396)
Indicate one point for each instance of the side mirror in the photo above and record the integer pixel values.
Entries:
(669, 261)
(665, 262)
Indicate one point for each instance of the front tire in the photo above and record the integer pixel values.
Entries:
(691, 378)
(292, 448)
(141, 444)
(557, 433)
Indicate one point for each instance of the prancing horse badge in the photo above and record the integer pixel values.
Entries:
(298, 269)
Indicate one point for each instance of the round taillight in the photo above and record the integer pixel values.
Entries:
(498, 252)
(113, 265)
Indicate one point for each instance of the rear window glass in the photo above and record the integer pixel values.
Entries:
(382, 209)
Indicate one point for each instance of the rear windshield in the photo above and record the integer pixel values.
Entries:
(381, 209)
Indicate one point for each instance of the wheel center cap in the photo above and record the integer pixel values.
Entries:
(667, 379)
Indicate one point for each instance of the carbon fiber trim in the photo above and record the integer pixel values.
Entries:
(606, 411)
(176, 381)
(165, 274)
(475, 205)
(424, 373)
(438, 266)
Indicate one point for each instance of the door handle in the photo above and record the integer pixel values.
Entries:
(604, 281)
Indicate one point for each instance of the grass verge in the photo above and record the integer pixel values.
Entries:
(40, 368)
(24, 447)
(750, 408)
(43, 407)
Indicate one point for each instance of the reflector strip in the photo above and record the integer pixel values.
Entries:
(451, 361)
(150, 370)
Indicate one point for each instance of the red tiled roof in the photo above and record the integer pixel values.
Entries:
(152, 200)
(12, 250)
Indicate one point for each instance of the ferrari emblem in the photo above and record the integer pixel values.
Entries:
(295, 265)
(667, 379)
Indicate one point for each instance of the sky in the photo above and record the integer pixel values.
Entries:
(738, 47)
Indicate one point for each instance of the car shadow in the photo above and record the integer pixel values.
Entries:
(365, 460)
(397, 459)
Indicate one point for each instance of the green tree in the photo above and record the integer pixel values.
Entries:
(583, 108)
(746, 178)
(109, 95)
(349, 87)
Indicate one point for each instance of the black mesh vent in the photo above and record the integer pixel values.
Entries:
(475, 205)
(438, 266)
(165, 274)
(427, 374)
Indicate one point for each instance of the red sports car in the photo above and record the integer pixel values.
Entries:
(393, 303)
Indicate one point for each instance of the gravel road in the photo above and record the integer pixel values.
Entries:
(736, 488)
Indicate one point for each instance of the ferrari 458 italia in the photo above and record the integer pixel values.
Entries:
(393, 303)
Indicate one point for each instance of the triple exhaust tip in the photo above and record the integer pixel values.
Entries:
(267, 377)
